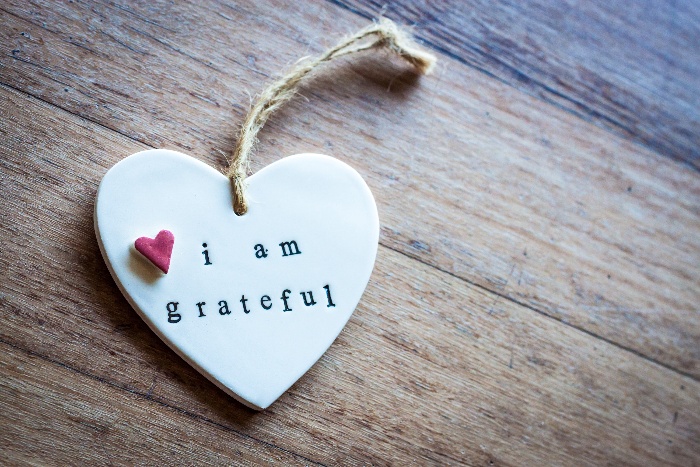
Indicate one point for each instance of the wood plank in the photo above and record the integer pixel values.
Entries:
(471, 176)
(633, 68)
(430, 369)
(78, 419)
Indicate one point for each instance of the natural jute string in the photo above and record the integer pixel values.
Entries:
(383, 34)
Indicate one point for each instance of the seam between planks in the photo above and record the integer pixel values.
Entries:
(587, 114)
(543, 313)
(150, 398)
(415, 258)
(101, 125)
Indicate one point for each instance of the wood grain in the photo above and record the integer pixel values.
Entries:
(471, 176)
(630, 67)
(430, 369)
(535, 299)
(75, 417)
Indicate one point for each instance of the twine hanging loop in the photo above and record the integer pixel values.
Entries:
(382, 34)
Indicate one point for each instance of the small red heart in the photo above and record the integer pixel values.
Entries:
(158, 250)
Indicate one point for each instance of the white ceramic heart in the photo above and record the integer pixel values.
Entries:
(316, 201)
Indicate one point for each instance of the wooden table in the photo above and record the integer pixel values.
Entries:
(535, 299)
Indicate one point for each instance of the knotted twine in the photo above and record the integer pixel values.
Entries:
(382, 34)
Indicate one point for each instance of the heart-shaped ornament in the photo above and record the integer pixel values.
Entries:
(157, 250)
(250, 301)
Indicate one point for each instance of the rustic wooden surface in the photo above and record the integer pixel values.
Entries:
(536, 294)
